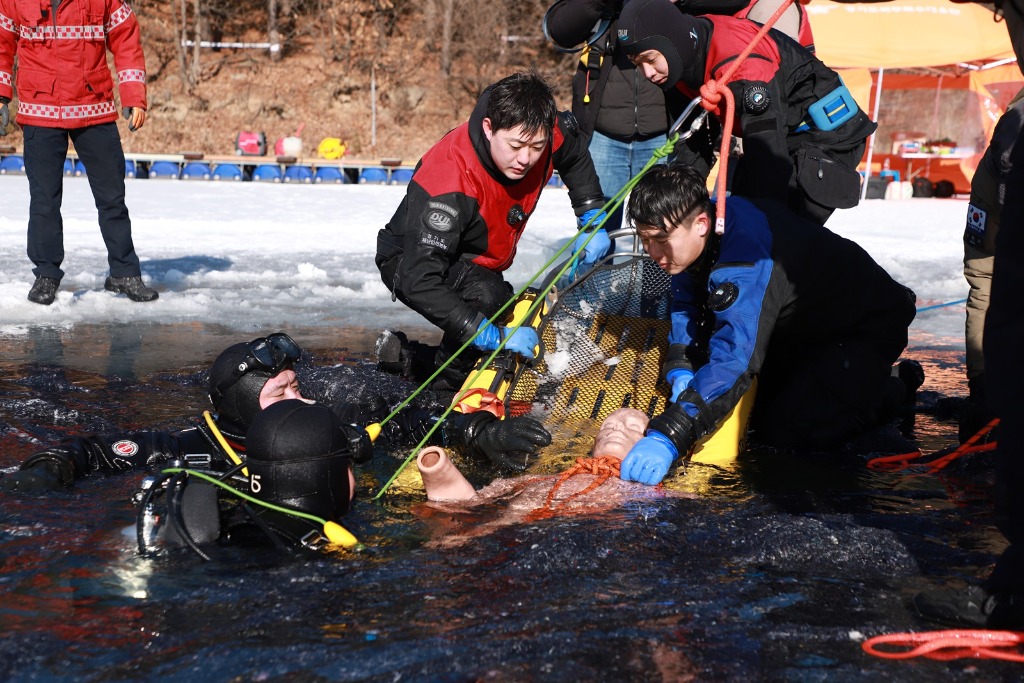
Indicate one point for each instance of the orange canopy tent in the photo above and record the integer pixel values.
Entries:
(906, 34)
(945, 46)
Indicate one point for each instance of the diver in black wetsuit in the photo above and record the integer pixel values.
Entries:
(295, 485)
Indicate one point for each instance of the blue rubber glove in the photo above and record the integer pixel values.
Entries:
(679, 379)
(597, 248)
(649, 459)
(595, 217)
(522, 340)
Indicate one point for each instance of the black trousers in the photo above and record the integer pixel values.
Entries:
(99, 148)
(830, 394)
(819, 394)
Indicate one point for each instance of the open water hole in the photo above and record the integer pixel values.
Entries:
(775, 567)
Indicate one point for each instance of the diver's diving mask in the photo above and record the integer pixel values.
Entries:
(270, 354)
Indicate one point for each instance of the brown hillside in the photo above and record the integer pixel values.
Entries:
(333, 52)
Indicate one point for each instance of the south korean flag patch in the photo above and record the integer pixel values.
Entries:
(974, 235)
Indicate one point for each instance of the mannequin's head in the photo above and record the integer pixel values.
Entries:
(619, 432)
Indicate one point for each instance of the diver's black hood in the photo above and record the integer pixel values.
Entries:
(240, 402)
(300, 454)
(681, 38)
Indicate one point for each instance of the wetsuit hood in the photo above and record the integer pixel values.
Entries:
(239, 403)
(681, 38)
(300, 453)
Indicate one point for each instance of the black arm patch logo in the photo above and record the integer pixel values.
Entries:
(756, 99)
(723, 297)
(440, 216)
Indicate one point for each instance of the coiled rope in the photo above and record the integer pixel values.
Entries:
(947, 645)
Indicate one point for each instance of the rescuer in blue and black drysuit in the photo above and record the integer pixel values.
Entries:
(807, 312)
(803, 134)
(443, 252)
(245, 379)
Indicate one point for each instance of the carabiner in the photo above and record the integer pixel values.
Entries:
(694, 127)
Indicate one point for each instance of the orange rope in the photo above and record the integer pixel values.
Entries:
(893, 463)
(602, 467)
(711, 94)
(947, 645)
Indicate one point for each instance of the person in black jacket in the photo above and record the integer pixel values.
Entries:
(626, 116)
(443, 252)
(997, 601)
(296, 486)
(245, 379)
(802, 132)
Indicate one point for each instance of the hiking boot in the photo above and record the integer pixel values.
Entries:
(132, 286)
(44, 291)
(971, 607)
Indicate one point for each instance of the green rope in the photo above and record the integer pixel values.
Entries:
(610, 207)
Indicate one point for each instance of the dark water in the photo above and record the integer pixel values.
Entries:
(773, 568)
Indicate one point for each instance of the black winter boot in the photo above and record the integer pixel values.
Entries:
(133, 286)
(44, 291)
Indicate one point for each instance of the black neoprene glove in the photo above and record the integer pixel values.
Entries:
(44, 476)
(507, 443)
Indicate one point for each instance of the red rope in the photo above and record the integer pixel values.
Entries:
(602, 467)
(947, 645)
(711, 94)
(894, 463)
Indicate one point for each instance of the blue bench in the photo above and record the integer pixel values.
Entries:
(266, 173)
(227, 172)
(298, 174)
(196, 170)
(330, 174)
(164, 169)
(401, 176)
(12, 164)
(373, 176)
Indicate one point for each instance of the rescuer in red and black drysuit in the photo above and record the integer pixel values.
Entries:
(803, 134)
(455, 232)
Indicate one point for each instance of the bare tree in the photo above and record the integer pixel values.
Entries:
(273, 35)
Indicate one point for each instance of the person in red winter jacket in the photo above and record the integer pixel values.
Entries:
(65, 91)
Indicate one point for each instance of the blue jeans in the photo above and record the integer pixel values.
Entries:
(617, 162)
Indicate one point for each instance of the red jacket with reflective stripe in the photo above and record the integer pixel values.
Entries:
(63, 77)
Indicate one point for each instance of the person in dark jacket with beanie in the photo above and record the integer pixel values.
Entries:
(624, 114)
(802, 132)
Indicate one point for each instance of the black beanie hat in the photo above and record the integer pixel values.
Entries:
(298, 456)
(239, 403)
(660, 25)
